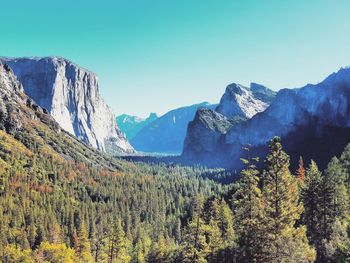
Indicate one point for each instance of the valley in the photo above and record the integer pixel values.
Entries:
(65, 199)
(175, 131)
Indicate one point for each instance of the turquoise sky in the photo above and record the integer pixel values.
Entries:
(158, 55)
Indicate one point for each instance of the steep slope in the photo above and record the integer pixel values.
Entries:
(240, 101)
(313, 121)
(131, 125)
(53, 187)
(71, 95)
(33, 126)
(206, 133)
(167, 133)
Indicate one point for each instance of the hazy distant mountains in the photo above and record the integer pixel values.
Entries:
(313, 121)
(131, 125)
(164, 134)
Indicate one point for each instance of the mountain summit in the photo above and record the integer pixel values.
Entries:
(206, 133)
(71, 95)
(131, 125)
(240, 101)
(313, 122)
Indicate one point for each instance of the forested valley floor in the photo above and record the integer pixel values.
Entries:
(58, 210)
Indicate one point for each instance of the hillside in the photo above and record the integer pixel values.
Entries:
(53, 187)
(312, 120)
(71, 95)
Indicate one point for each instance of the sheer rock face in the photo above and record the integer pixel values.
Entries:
(71, 95)
(240, 101)
(10, 94)
(167, 133)
(16, 107)
(206, 134)
(313, 122)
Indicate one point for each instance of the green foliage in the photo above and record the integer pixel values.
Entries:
(325, 198)
(49, 204)
(61, 201)
(48, 252)
(282, 240)
(14, 254)
(248, 212)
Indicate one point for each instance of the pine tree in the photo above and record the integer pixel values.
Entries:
(248, 208)
(311, 197)
(196, 247)
(333, 204)
(335, 182)
(345, 163)
(83, 247)
(225, 222)
(337, 247)
(158, 251)
(118, 244)
(281, 210)
(55, 233)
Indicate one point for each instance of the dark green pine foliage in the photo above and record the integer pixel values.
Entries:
(248, 212)
(311, 195)
(283, 241)
(41, 190)
(345, 163)
(333, 204)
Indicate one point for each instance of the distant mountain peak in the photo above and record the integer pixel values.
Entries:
(166, 134)
(313, 121)
(242, 101)
(130, 125)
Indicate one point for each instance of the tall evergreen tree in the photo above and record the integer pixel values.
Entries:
(333, 203)
(248, 207)
(311, 197)
(83, 247)
(281, 211)
(118, 244)
(345, 163)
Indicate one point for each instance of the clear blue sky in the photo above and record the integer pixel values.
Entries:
(156, 55)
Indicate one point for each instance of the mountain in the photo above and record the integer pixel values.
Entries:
(71, 95)
(31, 125)
(206, 132)
(313, 122)
(166, 134)
(55, 189)
(131, 125)
(240, 101)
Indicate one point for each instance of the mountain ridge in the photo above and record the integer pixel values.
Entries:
(312, 115)
(166, 134)
(130, 125)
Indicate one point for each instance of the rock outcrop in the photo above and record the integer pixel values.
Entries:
(313, 122)
(166, 134)
(71, 95)
(206, 134)
(240, 101)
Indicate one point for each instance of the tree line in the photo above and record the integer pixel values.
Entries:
(59, 211)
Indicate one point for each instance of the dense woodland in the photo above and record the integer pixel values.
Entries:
(58, 210)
